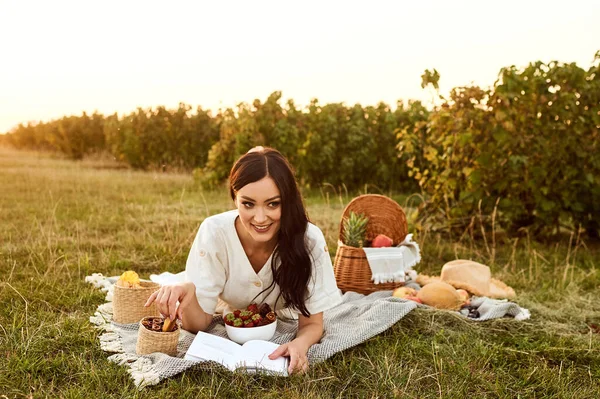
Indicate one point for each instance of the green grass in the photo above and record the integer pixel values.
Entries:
(61, 221)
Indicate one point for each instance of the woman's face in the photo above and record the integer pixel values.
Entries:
(259, 206)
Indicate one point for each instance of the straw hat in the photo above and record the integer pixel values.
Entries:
(471, 276)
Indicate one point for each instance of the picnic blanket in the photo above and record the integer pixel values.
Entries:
(358, 318)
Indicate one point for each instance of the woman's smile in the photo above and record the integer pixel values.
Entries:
(262, 228)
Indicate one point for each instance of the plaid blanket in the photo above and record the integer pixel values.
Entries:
(368, 315)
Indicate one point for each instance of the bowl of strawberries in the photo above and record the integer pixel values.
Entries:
(254, 322)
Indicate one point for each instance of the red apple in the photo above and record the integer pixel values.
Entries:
(414, 299)
(464, 295)
(382, 241)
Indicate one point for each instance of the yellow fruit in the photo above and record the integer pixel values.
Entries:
(129, 279)
(404, 292)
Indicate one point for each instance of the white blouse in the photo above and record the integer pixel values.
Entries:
(220, 269)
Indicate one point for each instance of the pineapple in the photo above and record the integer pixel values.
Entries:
(355, 228)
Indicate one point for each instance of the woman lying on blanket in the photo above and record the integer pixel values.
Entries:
(265, 251)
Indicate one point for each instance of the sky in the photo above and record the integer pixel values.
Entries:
(62, 58)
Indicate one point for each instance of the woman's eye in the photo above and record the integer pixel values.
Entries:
(274, 204)
(248, 204)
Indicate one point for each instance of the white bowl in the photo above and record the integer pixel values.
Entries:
(245, 334)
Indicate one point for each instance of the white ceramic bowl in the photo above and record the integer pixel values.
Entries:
(245, 334)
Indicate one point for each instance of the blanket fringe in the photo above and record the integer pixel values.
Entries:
(140, 368)
(111, 342)
(524, 314)
(99, 281)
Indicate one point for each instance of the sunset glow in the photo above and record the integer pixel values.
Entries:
(65, 57)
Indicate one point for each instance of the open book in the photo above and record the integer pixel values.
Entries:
(253, 356)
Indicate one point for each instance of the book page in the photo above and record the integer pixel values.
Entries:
(212, 347)
(254, 355)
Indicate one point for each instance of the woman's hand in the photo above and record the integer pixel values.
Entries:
(310, 331)
(297, 353)
(167, 296)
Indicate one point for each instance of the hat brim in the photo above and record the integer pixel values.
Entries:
(500, 290)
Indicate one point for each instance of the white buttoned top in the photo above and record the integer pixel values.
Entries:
(220, 269)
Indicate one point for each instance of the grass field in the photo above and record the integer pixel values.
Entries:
(61, 221)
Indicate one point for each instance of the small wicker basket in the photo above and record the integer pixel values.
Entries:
(156, 341)
(352, 271)
(128, 303)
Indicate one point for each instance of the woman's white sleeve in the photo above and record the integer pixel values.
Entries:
(205, 267)
(323, 292)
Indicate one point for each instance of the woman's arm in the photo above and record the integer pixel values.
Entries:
(192, 316)
(310, 331)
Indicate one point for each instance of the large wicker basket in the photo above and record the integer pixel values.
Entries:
(128, 303)
(352, 271)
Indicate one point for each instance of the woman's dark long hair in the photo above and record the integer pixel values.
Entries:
(294, 272)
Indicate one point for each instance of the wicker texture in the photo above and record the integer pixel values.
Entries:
(128, 303)
(352, 271)
(154, 341)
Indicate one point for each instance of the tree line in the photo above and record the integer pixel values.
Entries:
(524, 150)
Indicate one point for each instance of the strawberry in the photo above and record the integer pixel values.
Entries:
(238, 322)
(253, 308)
(256, 318)
(236, 313)
(229, 318)
(245, 315)
(248, 323)
(262, 322)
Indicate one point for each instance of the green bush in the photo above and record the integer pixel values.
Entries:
(250, 126)
(74, 136)
(527, 148)
(334, 144)
(159, 138)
